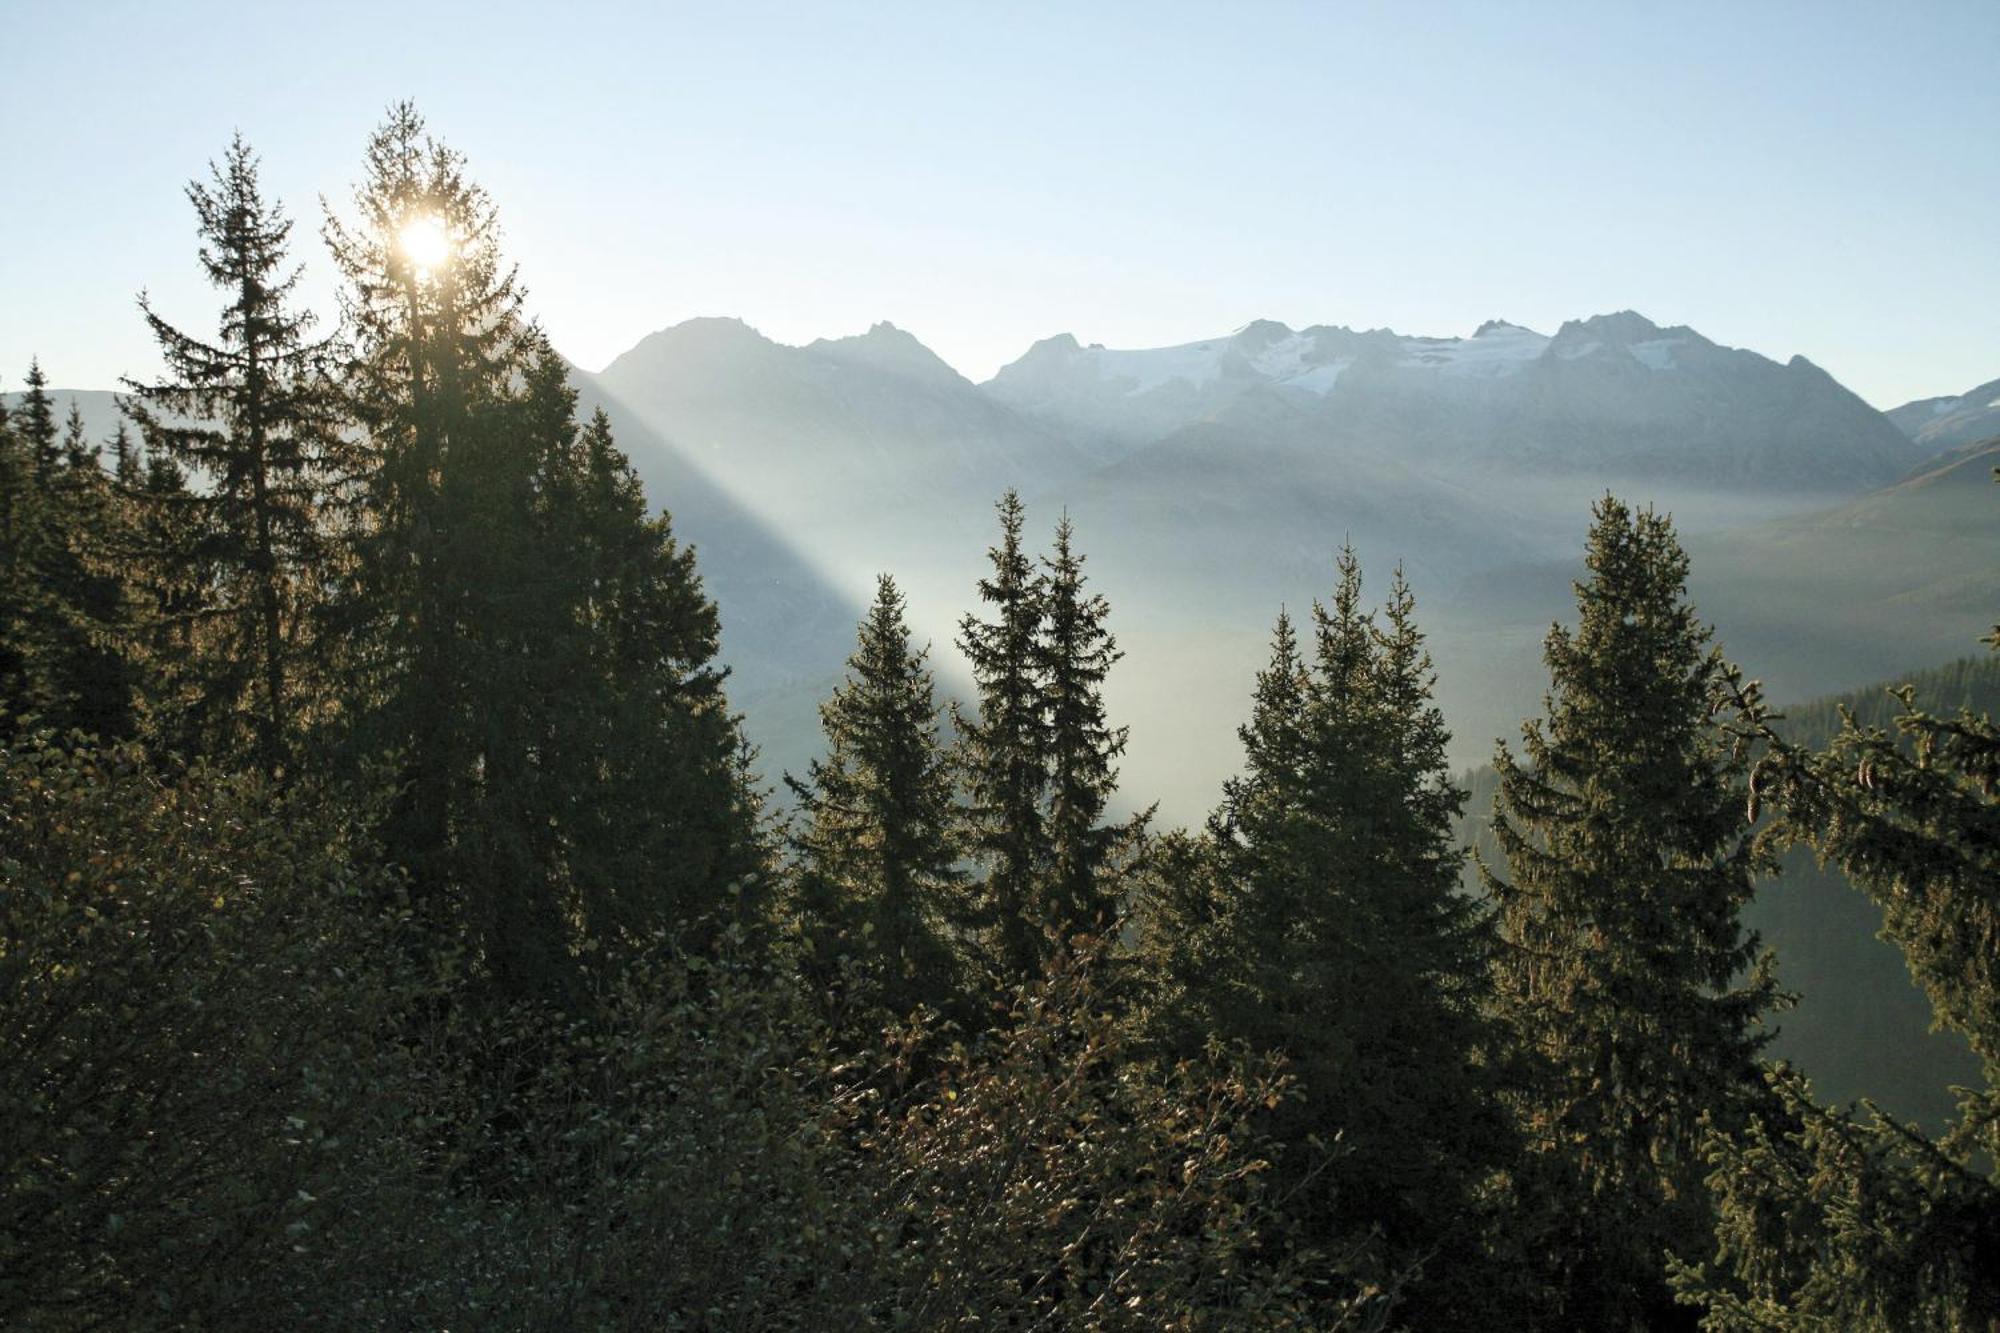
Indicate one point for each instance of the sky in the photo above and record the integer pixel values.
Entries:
(1820, 179)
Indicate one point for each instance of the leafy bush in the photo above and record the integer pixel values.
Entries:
(198, 999)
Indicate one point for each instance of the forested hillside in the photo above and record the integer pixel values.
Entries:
(397, 929)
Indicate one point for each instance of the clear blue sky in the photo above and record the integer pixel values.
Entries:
(1820, 179)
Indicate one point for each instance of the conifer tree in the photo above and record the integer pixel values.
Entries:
(1075, 652)
(878, 878)
(533, 648)
(1624, 970)
(1833, 1219)
(127, 462)
(1003, 750)
(16, 471)
(254, 418)
(25, 471)
(1334, 935)
(169, 596)
(63, 623)
(35, 423)
(434, 343)
(78, 453)
(666, 834)
(85, 578)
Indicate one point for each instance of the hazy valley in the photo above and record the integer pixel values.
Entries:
(1833, 545)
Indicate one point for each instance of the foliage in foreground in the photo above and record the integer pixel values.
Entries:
(231, 1097)
(1837, 1220)
(200, 1042)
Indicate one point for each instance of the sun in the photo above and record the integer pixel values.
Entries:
(424, 241)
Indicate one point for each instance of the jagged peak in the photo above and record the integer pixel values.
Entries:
(886, 347)
(884, 331)
(1056, 348)
(1262, 332)
(1618, 328)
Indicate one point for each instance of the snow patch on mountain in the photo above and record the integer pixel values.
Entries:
(1284, 358)
(1265, 352)
(1143, 371)
(1498, 348)
(1656, 353)
(1938, 425)
(1320, 379)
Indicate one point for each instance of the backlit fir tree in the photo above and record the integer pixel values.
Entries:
(878, 879)
(1003, 748)
(1337, 938)
(252, 417)
(1080, 893)
(1624, 969)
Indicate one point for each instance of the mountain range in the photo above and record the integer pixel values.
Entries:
(1613, 393)
(1211, 483)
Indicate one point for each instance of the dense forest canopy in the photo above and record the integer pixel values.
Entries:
(395, 930)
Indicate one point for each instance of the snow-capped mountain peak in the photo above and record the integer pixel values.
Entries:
(1940, 424)
(1614, 389)
(1495, 348)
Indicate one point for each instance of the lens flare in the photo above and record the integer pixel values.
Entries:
(424, 241)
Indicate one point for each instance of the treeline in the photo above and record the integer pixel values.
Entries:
(395, 932)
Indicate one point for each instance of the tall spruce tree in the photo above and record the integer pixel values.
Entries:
(877, 851)
(16, 470)
(28, 685)
(534, 650)
(169, 632)
(254, 418)
(85, 578)
(1624, 970)
(436, 622)
(1003, 749)
(78, 453)
(1080, 894)
(35, 423)
(664, 813)
(1333, 934)
(127, 461)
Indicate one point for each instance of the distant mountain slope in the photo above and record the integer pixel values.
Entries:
(1213, 481)
(1937, 425)
(1812, 603)
(811, 433)
(1615, 394)
(785, 628)
(1861, 1027)
(1904, 575)
(98, 407)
